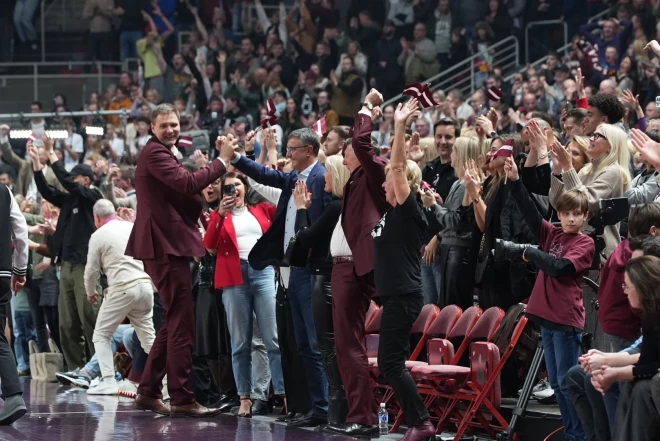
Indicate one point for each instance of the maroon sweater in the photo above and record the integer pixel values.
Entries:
(615, 314)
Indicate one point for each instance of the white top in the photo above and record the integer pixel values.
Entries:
(248, 231)
(19, 235)
(117, 145)
(106, 253)
(75, 142)
(272, 194)
(338, 245)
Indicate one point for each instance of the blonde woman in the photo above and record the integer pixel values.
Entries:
(453, 281)
(398, 237)
(319, 235)
(430, 153)
(606, 176)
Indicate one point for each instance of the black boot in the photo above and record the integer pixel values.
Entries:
(337, 406)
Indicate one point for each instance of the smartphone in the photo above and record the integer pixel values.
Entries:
(229, 190)
(425, 186)
(550, 135)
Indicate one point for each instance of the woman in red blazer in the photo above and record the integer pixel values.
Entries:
(233, 230)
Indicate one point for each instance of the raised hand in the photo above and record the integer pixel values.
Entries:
(654, 46)
(537, 137)
(34, 154)
(302, 196)
(563, 156)
(201, 159)
(492, 116)
(374, 97)
(269, 140)
(511, 169)
(119, 193)
(376, 113)
(405, 111)
(226, 205)
(472, 185)
(415, 152)
(48, 142)
(226, 146)
(485, 124)
(579, 80)
(649, 149)
(629, 100)
(250, 141)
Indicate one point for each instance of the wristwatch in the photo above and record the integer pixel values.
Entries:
(544, 156)
(477, 200)
(368, 106)
(492, 134)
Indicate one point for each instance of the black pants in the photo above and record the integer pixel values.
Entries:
(293, 371)
(636, 416)
(42, 316)
(589, 404)
(322, 310)
(8, 373)
(455, 282)
(140, 357)
(99, 46)
(399, 314)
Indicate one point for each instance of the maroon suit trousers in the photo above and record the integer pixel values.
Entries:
(171, 353)
(351, 296)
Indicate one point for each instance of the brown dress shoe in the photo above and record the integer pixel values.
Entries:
(152, 404)
(194, 410)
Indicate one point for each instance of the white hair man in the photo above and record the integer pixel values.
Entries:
(130, 291)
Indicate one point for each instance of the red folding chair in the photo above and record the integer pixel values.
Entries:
(483, 391)
(382, 390)
(371, 313)
(440, 328)
(439, 383)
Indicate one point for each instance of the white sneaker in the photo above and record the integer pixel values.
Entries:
(95, 382)
(127, 386)
(106, 387)
(541, 389)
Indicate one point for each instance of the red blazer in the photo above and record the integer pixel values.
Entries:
(170, 204)
(221, 236)
(364, 197)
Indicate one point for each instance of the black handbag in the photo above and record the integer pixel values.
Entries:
(482, 261)
(295, 254)
(207, 271)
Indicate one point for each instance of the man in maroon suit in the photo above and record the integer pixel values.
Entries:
(164, 237)
(352, 276)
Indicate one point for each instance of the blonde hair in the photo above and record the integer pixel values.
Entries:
(583, 144)
(654, 124)
(339, 172)
(464, 149)
(413, 175)
(618, 155)
(430, 152)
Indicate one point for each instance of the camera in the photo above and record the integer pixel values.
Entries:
(612, 211)
(229, 190)
(507, 250)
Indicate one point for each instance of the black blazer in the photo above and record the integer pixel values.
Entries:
(318, 235)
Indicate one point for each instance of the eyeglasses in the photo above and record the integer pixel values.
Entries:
(596, 136)
(625, 287)
(290, 149)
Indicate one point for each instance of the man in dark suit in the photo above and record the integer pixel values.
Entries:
(302, 148)
(352, 276)
(164, 237)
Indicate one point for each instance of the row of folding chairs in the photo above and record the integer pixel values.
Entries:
(460, 381)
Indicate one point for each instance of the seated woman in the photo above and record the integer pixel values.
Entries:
(636, 416)
(607, 176)
(233, 230)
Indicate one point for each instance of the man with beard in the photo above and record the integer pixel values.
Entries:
(335, 140)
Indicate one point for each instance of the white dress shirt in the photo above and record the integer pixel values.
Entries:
(338, 245)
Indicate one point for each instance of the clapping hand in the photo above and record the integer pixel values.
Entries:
(302, 196)
(511, 169)
(127, 214)
(119, 193)
(649, 149)
(48, 142)
(268, 139)
(430, 198)
(47, 229)
(201, 159)
(405, 111)
(563, 156)
(538, 138)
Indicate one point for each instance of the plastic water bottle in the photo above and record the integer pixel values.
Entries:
(383, 428)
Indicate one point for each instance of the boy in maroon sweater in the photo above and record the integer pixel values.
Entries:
(564, 255)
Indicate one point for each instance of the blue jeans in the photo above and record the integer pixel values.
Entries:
(24, 331)
(24, 20)
(127, 44)
(430, 281)
(562, 350)
(254, 298)
(92, 367)
(300, 299)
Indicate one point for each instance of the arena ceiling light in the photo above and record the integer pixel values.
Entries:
(94, 130)
(29, 134)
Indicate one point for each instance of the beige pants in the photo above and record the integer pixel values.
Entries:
(137, 304)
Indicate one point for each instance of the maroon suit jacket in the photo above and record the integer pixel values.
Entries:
(169, 201)
(364, 197)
